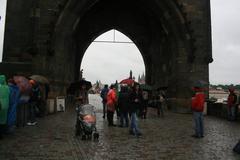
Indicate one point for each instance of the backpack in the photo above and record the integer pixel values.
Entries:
(104, 94)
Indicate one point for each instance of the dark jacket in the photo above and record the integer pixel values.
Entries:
(232, 100)
(103, 94)
(135, 105)
(35, 94)
(124, 101)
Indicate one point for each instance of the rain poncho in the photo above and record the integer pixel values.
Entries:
(4, 100)
(13, 102)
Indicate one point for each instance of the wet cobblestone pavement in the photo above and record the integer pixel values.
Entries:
(163, 138)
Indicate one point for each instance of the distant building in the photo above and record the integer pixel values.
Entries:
(97, 87)
(141, 79)
(219, 88)
(219, 95)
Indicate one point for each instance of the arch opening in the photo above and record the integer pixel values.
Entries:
(110, 57)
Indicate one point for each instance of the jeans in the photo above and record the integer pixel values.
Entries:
(134, 126)
(31, 112)
(232, 113)
(198, 119)
(124, 118)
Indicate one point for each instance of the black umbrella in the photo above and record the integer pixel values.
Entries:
(78, 85)
(145, 87)
(162, 88)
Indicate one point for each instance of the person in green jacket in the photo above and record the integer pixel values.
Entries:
(4, 100)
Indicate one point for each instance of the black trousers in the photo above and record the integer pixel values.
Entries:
(110, 117)
(104, 109)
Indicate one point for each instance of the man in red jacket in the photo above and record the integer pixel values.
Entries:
(197, 108)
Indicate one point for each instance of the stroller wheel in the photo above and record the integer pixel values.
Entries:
(84, 137)
(77, 133)
(95, 136)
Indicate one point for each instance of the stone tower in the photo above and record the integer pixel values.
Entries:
(50, 37)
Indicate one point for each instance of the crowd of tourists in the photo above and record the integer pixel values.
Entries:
(132, 102)
(129, 103)
(20, 104)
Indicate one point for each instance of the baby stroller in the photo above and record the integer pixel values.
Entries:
(86, 122)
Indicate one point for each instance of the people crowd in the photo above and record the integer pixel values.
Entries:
(131, 102)
(20, 104)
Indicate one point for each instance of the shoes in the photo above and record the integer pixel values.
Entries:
(131, 132)
(34, 123)
(112, 125)
(31, 123)
(139, 134)
(196, 136)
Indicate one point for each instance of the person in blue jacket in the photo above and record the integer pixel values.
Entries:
(13, 103)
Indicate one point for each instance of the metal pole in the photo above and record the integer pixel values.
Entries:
(114, 35)
(112, 42)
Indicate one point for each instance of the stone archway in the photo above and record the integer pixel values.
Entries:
(157, 28)
(173, 36)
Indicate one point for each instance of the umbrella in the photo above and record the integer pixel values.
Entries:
(22, 83)
(78, 84)
(127, 81)
(146, 87)
(39, 79)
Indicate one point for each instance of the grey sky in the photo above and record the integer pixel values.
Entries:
(109, 62)
(118, 59)
(226, 42)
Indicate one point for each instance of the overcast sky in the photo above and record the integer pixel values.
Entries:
(109, 62)
(226, 42)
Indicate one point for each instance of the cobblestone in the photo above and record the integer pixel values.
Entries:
(167, 138)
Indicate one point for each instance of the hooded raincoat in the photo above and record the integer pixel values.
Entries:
(4, 100)
(13, 102)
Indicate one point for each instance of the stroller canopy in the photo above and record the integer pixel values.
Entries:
(87, 109)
